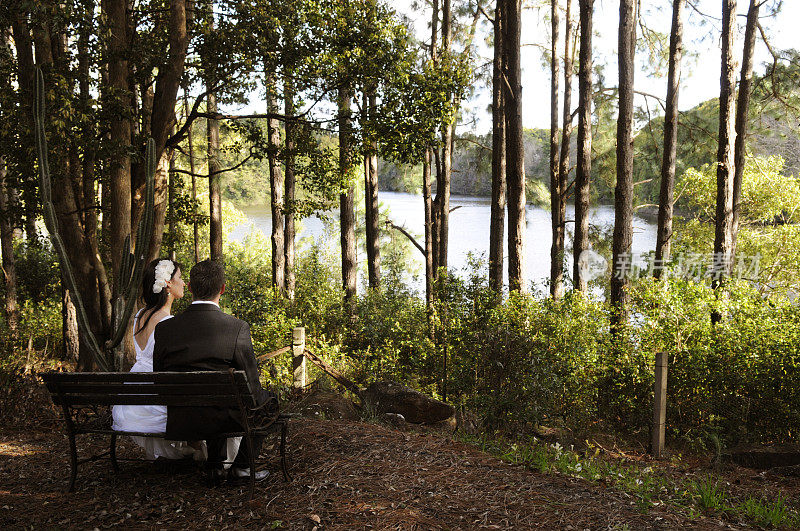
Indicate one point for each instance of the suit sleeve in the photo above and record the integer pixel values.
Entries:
(158, 350)
(245, 359)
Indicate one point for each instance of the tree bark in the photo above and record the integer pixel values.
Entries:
(428, 205)
(723, 233)
(289, 189)
(26, 75)
(515, 156)
(276, 190)
(742, 112)
(623, 191)
(667, 193)
(583, 172)
(121, 128)
(214, 185)
(7, 249)
(556, 195)
(171, 209)
(371, 200)
(557, 285)
(189, 141)
(444, 179)
(159, 120)
(498, 207)
(69, 330)
(346, 208)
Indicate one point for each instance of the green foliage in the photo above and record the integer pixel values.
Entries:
(709, 493)
(769, 233)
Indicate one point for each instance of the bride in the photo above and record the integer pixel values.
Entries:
(161, 285)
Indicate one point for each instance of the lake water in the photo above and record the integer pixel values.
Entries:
(469, 230)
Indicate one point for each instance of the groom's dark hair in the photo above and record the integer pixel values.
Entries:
(206, 279)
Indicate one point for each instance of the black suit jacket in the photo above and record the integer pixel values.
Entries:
(203, 338)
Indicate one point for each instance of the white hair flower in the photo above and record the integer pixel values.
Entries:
(164, 270)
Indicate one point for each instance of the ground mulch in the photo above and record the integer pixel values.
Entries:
(347, 475)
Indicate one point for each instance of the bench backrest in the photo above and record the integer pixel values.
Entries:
(202, 388)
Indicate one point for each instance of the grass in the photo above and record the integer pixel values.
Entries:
(707, 494)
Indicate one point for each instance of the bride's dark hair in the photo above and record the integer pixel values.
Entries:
(153, 301)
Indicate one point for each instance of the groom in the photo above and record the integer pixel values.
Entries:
(203, 338)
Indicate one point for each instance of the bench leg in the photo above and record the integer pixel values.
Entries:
(113, 453)
(284, 467)
(73, 461)
(252, 463)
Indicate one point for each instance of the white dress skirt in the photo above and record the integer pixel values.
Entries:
(153, 418)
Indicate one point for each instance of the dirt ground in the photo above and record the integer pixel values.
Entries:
(347, 475)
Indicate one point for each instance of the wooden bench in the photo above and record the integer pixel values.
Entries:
(85, 399)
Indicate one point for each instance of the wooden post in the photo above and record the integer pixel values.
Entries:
(298, 359)
(659, 404)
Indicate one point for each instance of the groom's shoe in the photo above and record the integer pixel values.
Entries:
(238, 475)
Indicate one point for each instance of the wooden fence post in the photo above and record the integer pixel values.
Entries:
(659, 403)
(298, 359)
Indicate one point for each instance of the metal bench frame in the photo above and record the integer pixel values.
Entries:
(85, 399)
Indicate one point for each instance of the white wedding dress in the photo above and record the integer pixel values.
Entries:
(153, 418)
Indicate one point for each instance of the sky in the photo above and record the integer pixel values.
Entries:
(701, 71)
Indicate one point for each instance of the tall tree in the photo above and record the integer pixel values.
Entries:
(723, 233)
(25, 75)
(214, 178)
(557, 275)
(515, 154)
(371, 196)
(623, 191)
(742, 113)
(190, 143)
(346, 207)
(430, 204)
(212, 145)
(444, 178)
(556, 196)
(276, 186)
(121, 130)
(428, 213)
(498, 207)
(583, 172)
(7, 250)
(289, 187)
(667, 193)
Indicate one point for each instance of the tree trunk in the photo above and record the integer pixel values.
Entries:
(69, 330)
(7, 249)
(557, 286)
(26, 75)
(515, 156)
(120, 163)
(556, 195)
(371, 200)
(583, 172)
(214, 185)
(444, 179)
(346, 208)
(723, 234)
(428, 204)
(276, 190)
(666, 196)
(289, 188)
(498, 208)
(158, 121)
(171, 209)
(195, 227)
(623, 192)
(742, 112)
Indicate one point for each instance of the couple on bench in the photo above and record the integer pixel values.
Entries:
(202, 338)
